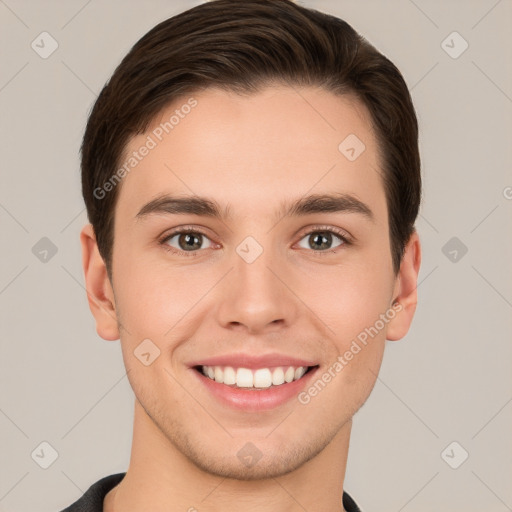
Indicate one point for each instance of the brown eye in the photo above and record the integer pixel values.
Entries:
(187, 241)
(321, 240)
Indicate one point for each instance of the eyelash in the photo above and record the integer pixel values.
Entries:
(342, 235)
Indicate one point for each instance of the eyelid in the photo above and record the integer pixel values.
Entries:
(183, 229)
(341, 233)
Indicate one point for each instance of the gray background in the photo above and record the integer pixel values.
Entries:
(449, 380)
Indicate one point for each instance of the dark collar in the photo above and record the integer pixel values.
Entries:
(92, 500)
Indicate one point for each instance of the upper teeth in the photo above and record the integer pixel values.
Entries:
(260, 378)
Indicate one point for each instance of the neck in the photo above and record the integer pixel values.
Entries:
(160, 477)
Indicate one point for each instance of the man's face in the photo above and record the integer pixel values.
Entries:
(260, 279)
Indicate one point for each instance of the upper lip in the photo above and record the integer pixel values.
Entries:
(241, 360)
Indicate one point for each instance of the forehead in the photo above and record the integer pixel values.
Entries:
(249, 150)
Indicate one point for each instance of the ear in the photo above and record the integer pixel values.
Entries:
(97, 284)
(405, 290)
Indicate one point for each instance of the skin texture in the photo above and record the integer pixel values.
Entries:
(248, 152)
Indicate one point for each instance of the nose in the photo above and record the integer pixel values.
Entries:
(256, 297)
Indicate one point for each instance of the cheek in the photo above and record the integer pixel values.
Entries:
(351, 304)
(153, 295)
(349, 300)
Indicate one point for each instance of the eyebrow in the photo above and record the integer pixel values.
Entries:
(203, 206)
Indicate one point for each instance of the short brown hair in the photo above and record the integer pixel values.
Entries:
(242, 46)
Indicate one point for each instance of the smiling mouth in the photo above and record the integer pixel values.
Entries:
(254, 379)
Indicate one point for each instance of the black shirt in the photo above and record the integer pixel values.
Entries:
(92, 500)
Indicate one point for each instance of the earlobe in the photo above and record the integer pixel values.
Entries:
(405, 292)
(100, 294)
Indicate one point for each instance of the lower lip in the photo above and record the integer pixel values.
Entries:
(253, 400)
